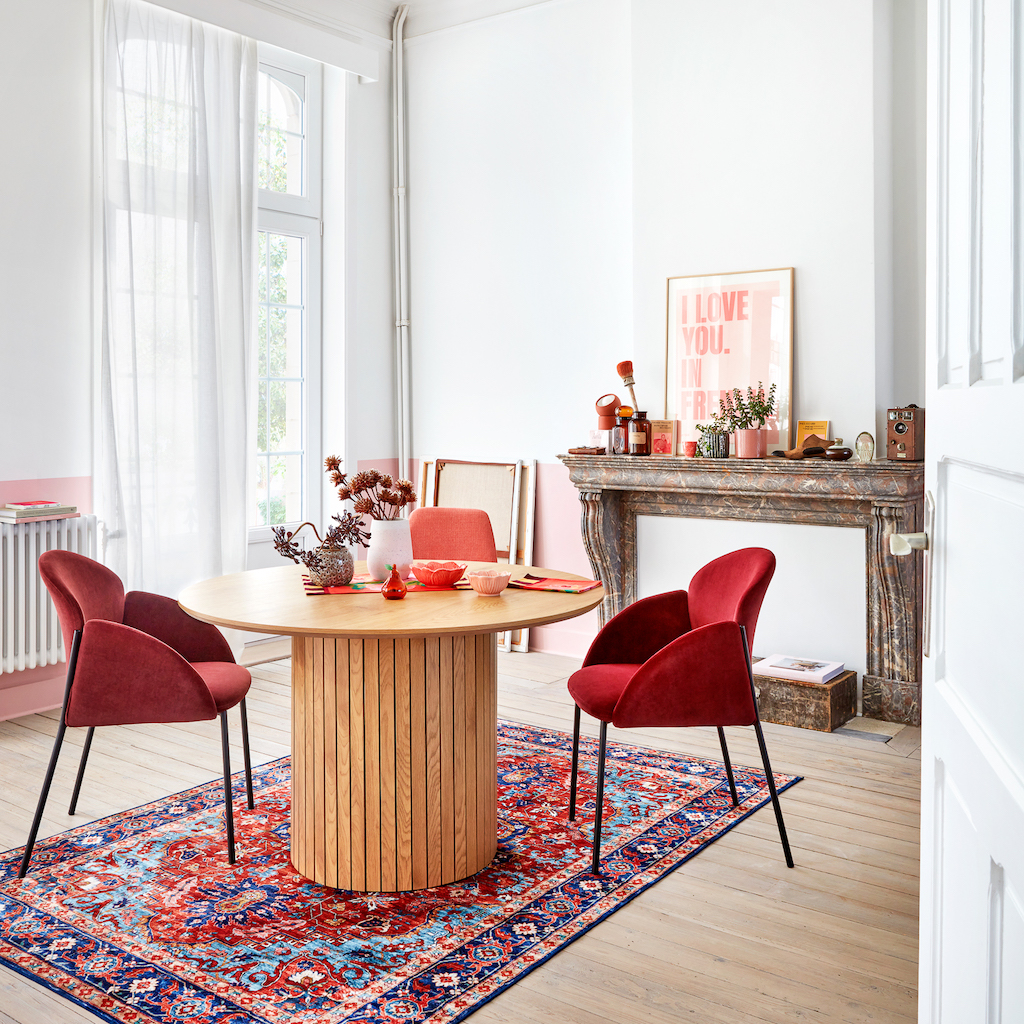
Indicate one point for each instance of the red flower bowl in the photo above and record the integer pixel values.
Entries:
(438, 575)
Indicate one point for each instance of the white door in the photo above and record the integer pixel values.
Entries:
(972, 838)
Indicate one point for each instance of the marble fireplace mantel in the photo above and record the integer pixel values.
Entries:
(879, 497)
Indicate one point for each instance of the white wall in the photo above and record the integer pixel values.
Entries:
(45, 224)
(519, 199)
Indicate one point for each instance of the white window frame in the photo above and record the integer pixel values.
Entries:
(300, 216)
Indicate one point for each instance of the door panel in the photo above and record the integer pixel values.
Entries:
(972, 838)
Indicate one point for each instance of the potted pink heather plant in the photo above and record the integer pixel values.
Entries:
(747, 413)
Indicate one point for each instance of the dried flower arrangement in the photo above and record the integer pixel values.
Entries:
(374, 494)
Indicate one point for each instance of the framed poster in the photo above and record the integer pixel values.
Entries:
(728, 331)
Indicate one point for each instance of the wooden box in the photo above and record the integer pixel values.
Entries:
(820, 706)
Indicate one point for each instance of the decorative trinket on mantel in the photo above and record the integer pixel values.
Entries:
(865, 446)
(837, 453)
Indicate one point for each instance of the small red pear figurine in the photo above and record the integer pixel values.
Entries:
(394, 588)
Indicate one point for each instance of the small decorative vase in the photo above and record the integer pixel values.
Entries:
(751, 444)
(714, 446)
(394, 588)
(329, 566)
(390, 544)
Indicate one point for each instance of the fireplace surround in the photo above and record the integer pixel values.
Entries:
(880, 497)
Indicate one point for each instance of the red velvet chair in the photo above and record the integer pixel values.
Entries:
(132, 659)
(463, 533)
(679, 659)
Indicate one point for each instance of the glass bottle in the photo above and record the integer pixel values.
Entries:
(639, 434)
(394, 588)
(620, 432)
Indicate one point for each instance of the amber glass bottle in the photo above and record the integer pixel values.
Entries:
(639, 434)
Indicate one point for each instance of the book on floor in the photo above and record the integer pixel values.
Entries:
(807, 670)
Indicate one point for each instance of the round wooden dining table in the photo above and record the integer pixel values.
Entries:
(394, 718)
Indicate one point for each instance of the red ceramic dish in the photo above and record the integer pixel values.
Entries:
(438, 575)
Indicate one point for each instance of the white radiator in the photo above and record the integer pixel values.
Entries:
(29, 631)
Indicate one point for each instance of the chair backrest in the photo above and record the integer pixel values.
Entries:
(81, 589)
(731, 589)
(443, 533)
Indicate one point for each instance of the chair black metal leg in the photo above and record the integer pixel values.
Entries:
(575, 763)
(728, 767)
(42, 799)
(770, 778)
(245, 753)
(229, 818)
(598, 813)
(61, 729)
(81, 769)
(774, 793)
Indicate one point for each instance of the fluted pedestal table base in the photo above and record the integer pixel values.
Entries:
(394, 760)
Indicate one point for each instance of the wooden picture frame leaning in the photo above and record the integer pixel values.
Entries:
(726, 331)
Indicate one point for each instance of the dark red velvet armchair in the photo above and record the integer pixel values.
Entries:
(444, 533)
(136, 658)
(679, 659)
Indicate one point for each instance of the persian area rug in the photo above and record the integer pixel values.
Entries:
(140, 918)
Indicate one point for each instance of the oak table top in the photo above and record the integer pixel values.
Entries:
(274, 601)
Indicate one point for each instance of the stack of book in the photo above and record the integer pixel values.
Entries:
(33, 511)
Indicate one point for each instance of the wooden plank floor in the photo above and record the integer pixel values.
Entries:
(732, 936)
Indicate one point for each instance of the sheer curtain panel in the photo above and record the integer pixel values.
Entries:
(179, 157)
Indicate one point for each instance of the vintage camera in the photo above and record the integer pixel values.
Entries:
(905, 434)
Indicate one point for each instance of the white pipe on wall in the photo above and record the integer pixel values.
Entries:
(401, 243)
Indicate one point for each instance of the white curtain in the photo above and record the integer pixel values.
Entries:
(179, 124)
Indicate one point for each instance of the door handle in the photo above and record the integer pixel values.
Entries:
(904, 543)
(901, 544)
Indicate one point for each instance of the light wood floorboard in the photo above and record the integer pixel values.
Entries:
(731, 937)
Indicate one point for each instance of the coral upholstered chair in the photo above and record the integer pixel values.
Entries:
(136, 658)
(463, 533)
(679, 659)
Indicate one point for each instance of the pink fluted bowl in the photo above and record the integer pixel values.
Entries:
(489, 582)
(438, 575)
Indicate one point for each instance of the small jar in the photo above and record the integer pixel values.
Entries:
(620, 432)
(639, 434)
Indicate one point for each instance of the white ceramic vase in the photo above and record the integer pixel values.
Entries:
(390, 544)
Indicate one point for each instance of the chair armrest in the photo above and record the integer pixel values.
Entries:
(126, 677)
(163, 618)
(640, 630)
(699, 679)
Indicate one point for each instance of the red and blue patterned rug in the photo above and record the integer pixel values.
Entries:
(139, 918)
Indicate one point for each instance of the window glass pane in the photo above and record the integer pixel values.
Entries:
(261, 417)
(284, 281)
(284, 430)
(282, 135)
(261, 263)
(262, 466)
(285, 342)
(261, 340)
(285, 489)
(280, 431)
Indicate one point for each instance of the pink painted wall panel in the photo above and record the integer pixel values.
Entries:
(71, 490)
(558, 544)
(39, 689)
(31, 690)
